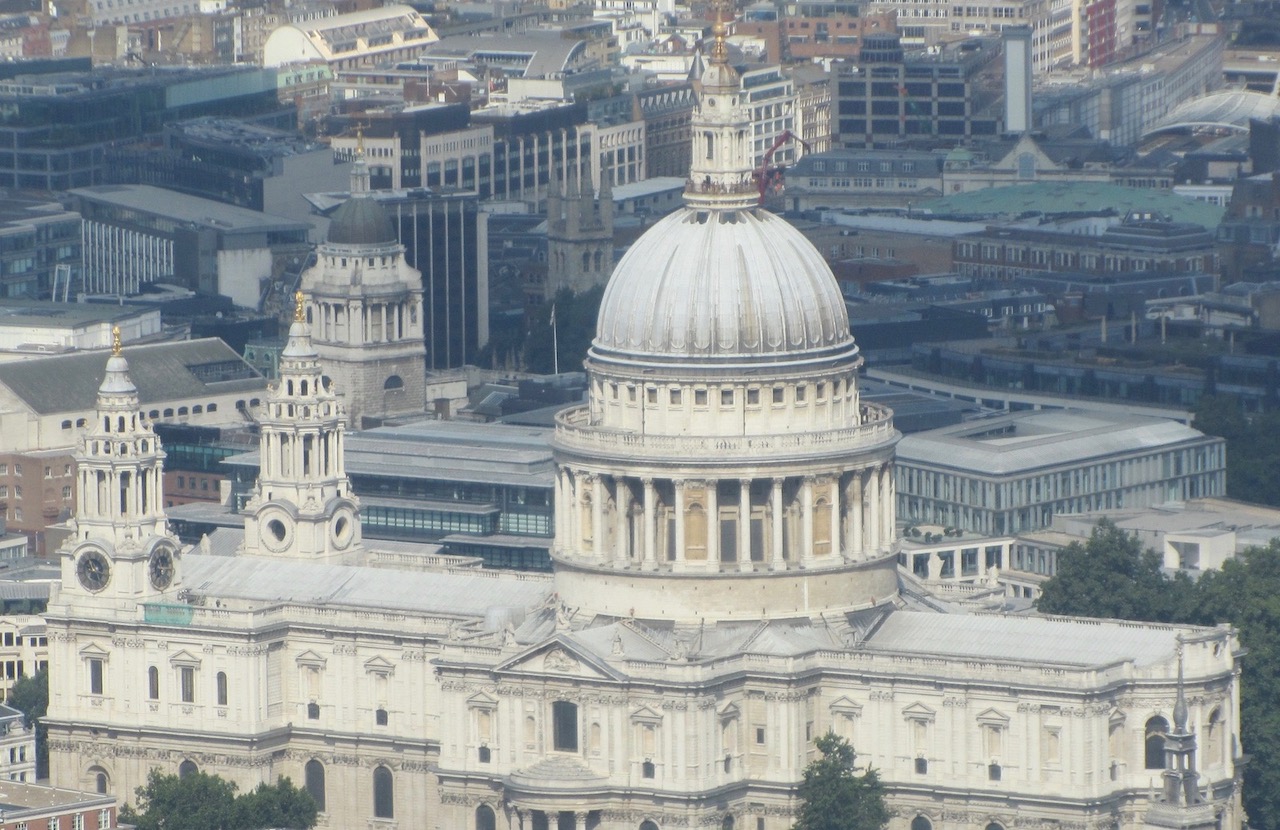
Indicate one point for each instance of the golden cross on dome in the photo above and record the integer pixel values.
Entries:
(359, 139)
(299, 308)
(116, 347)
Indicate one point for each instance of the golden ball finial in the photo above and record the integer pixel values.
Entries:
(117, 348)
(299, 308)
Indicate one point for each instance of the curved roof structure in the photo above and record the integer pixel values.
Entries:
(722, 285)
(361, 221)
(366, 35)
(1226, 110)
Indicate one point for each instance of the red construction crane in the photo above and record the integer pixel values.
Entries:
(767, 177)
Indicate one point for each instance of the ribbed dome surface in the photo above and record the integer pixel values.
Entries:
(361, 221)
(722, 284)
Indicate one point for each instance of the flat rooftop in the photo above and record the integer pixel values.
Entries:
(182, 208)
(29, 313)
(1024, 442)
(460, 451)
(17, 799)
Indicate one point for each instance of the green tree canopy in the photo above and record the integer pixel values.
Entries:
(199, 801)
(1112, 576)
(30, 696)
(833, 796)
(1253, 447)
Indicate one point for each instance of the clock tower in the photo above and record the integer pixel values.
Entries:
(121, 543)
(303, 507)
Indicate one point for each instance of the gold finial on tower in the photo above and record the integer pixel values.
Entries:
(719, 30)
(299, 308)
(359, 139)
(117, 348)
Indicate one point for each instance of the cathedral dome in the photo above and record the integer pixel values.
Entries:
(739, 285)
(361, 221)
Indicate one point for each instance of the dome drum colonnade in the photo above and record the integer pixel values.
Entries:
(723, 435)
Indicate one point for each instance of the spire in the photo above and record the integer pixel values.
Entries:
(116, 383)
(119, 464)
(360, 169)
(1180, 706)
(299, 347)
(720, 177)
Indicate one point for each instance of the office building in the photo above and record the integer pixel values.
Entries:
(1016, 472)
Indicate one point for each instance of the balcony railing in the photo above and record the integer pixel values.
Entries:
(574, 431)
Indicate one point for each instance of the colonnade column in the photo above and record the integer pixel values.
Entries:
(679, 486)
(744, 525)
(650, 525)
(712, 489)
(597, 516)
(514, 821)
(837, 504)
(855, 508)
(873, 511)
(622, 507)
(806, 520)
(776, 497)
(886, 506)
(580, 821)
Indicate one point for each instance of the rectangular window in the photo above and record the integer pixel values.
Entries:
(726, 397)
(760, 735)
(779, 394)
(675, 397)
(187, 680)
(564, 716)
(753, 397)
(95, 676)
(700, 397)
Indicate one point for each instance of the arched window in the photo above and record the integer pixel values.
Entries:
(648, 825)
(921, 823)
(81, 422)
(994, 826)
(153, 683)
(66, 424)
(187, 767)
(1157, 728)
(101, 781)
(197, 409)
(485, 818)
(182, 410)
(380, 717)
(394, 382)
(383, 794)
(213, 407)
(313, 777)
(726, 823)
(313, 711)
(1213, 742)
(222, 688)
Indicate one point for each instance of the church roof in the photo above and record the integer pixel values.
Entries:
(1041, 640)
(361, 221)
(269, 581)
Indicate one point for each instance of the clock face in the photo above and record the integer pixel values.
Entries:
(160, 567)
(94, 570)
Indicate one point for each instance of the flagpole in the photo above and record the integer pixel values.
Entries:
(555, 340)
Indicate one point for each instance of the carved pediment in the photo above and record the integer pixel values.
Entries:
(184, 658)
(379, 665)
(559, 657)
(646, 715)
(847, 707)
(310, 659)
(993, 717)
(918, 711)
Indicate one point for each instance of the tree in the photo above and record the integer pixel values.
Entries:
(834, 797)
(199, 801)
(283, 805)
(1110, 576)
(1253, 447)
(30, 696)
